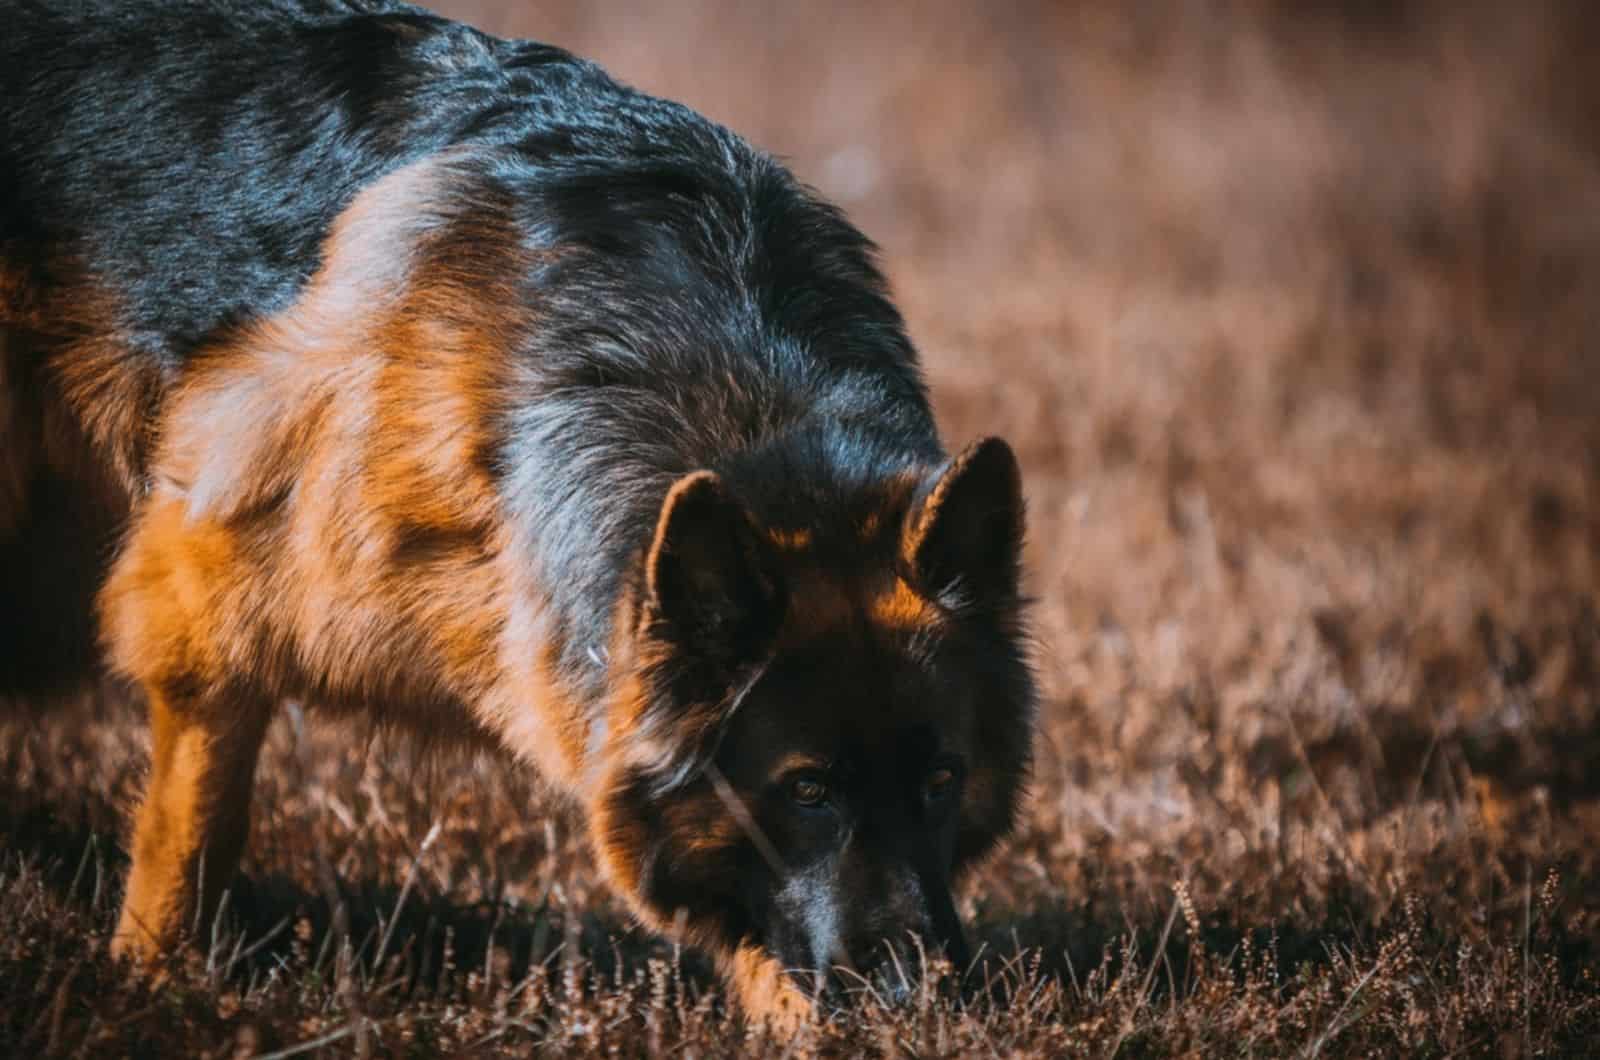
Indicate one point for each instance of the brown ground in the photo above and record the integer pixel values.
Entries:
(1292, 319)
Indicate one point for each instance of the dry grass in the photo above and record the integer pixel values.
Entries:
(1292, 321)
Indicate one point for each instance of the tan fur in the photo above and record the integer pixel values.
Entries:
(797, 540)
(322, 527)
(75, 399)
(768, 992)
(193, 822)
(898, 607)
(99, 395)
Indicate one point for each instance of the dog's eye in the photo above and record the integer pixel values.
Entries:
(808, 791)
(941, 783)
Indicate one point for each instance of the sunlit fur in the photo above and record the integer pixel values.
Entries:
(352, 357)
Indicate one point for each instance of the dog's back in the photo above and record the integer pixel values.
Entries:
(152, 204)
(174, 173)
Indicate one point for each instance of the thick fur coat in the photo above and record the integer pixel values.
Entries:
(353, 357)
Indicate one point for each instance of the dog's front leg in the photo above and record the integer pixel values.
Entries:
(767, 993)
(192, 825)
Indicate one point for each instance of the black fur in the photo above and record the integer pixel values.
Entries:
(197, 154)
(696, 308)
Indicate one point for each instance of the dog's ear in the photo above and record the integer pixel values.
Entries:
(962, 541)
(711, 582)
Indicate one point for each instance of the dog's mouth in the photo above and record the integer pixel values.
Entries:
(886, 960)
(902, 972)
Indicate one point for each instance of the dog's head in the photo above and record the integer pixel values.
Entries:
(807, 748)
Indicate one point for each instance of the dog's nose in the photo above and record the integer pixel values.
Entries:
(888, 970)
(894, 989)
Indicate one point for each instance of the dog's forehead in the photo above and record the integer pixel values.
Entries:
(842, 695)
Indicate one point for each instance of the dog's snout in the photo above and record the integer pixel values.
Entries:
(874, 957)
(890, 971)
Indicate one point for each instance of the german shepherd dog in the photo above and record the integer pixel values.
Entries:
(350, 356)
